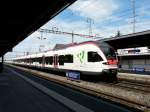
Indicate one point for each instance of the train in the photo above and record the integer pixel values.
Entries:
(89, 58)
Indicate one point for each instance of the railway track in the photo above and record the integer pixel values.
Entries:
(130, 85)
(134, 85)
(140, 90)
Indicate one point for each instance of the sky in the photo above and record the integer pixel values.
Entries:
(106, 18)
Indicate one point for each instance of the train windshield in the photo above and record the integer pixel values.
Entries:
(107, 50)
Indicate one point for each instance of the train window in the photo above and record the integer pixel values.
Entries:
(34, 60)
(49, 60)
(25, 61)
(94, 57)
(39, 60)
(107, 50)
(31, 60)
(68, 58)
(0, 59)
(61, 59)
(28, 60)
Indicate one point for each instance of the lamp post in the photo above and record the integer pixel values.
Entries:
(133, 12)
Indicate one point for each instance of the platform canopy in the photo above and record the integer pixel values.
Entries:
(20, 18)
(139, 39)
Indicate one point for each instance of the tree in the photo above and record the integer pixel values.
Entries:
(118, 34)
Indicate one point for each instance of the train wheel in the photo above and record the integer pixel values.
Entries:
(113, 77)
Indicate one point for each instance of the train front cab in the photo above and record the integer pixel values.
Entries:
(111, 63)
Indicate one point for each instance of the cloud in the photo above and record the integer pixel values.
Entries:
(108, 31)
(63, 25)
(32, 43)
(94, 9)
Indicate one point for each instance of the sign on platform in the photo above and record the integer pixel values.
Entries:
(73, 75)
(139, 69)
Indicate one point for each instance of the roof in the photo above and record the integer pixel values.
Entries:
(63, 46)
(138, 39)
(20, 18)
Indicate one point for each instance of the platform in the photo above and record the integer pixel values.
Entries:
(22, 92)
(16, 95)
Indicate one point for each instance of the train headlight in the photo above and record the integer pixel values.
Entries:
(105, 63)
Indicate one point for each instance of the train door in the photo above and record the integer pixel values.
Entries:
(43, 61)
(55, 59)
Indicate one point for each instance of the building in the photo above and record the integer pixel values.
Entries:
(135, 59)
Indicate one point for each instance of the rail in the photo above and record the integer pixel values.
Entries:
(123, 95)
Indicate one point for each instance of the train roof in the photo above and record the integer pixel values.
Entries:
(61, 47)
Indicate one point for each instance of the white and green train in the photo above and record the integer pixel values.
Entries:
(89, 58)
